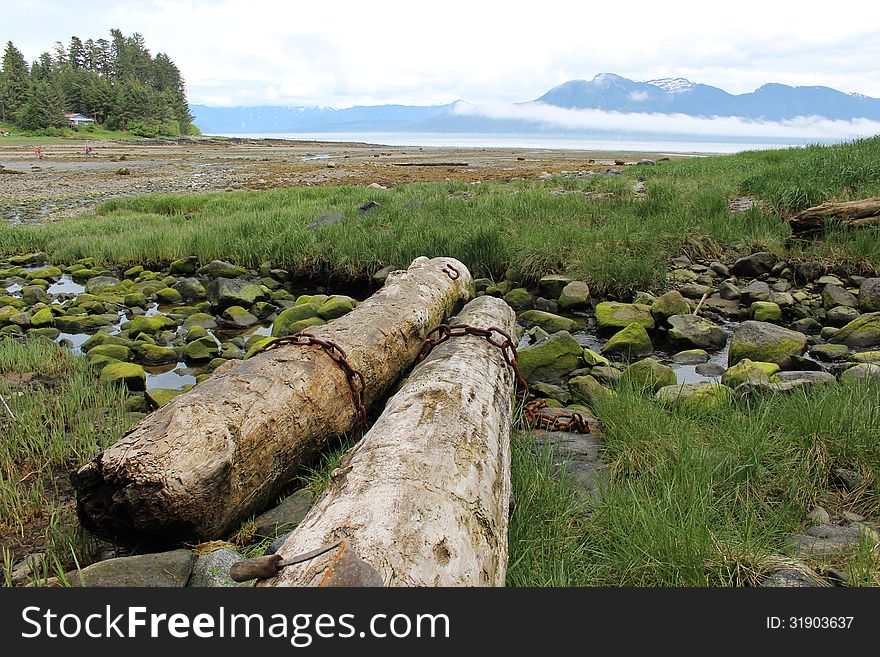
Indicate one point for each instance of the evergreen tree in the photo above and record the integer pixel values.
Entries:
(76, 54)
(43, 108)
(13, 82)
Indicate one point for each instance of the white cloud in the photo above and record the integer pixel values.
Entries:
(802, 127)
(353, 52)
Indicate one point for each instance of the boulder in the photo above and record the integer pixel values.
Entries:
(587, 390)
(630, 342)
(649, 373)
(755, 291)
(237, 317)
(862, 372)
(148, 325)
(575, 296)
(754, 265)
(551, 360)
(287, 319)
(768, 343)
(222, 269)
(223, 292)
(161, 569)
(670, 304)
(547, 321)
(190, 288)
(765, 311)
(151, 354)
(691, 357)
(693, 331)
(613, 316)
(336, 306)
(169, 295)
(869, 295)
(212, 570)
(863, 331)
(83, 323)
(100, 284)
(840, 316)
(202, 349)
(133, 376)
(836, 295)
(748, 371)
(551, 286)
(703, 397)
(829, 352)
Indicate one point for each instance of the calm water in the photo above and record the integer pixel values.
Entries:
(697, 145)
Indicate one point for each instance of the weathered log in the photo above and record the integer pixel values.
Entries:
(854, 214)
(423, 498)
(199, 466)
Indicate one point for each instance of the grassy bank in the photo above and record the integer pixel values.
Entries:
(594, 228)
(700, 500)
(18, 137)
(62, 416)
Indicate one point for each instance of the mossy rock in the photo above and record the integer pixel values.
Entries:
(500, 289)
(43, 318)
(630, 342)
(551, 360)
(82, 323)
(239, 317)
(519, 299)
(133, 272)
(158, 397)
(594, 359)
(135, 300)
(334, 307)
(693, 331)
(202, 349)
(184, 266)
(49, 333)
(691, 357)
(133, 376)
(550, 287)
(32, 294)
(765, 311)
(765, 342)
(303, 324)
(196, 332)
(222, 269)
(283, 324)
(190, 288)
(861, 332)
(830, 352)
(587, 390)
(575, 297)
(547, 321)
(613, 316)
(224, 292)
(649, 373)
(550, 391)
(202, 319)
(748, 371)
(215, 363)
(667, 305)
(872, 357)
(149, 325)
(114, 351)
(169, 295)
(151, 354)
(696, 397)
(46, 274)
(103, 338)
(136, 404)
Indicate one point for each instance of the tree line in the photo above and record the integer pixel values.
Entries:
(117, 82)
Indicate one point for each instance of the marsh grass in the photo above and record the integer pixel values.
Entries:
(530, 227)
(62, 418)
(699, 499)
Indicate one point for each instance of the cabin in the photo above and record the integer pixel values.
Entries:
(76, 120)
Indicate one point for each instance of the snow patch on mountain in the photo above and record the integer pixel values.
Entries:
(673, 85)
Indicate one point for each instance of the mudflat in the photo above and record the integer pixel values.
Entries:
(66, 181)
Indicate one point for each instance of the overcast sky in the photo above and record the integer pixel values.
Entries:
(353, 52)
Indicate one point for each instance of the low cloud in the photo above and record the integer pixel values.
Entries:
(802, 127)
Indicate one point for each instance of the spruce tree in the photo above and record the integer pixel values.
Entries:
(13, 83)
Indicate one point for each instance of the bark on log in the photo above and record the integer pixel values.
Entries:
(199, 466)
(424, 497)
(854, 214)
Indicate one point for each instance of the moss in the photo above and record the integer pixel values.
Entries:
(154, 355)
(169, 295)
(519, 298)
(547, 321)
(81, 323)
(768, 343)
(872, 357)
(612, 315)
(42, 318)
(587, 390)
(149, 325)
(335, 306)
(196, 332)
(696, 397)
(748, 371)
(631, 341)
(671, 303)
(158, 397)
(863, 331)
(46, 274)
(283, 324)
(594, 359)
(649, 373)
(550, 360)
(114, 351)
(765, 311)
(135, 300)
(201, 349)
(133, 376)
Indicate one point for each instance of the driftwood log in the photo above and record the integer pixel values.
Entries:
(853, 214)
(424, 497)
(199, 466)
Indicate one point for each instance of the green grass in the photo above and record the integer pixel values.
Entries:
(18, 137)
(699, 500)
(618, 244)
(62, 418)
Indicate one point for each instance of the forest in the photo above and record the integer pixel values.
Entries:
(116, 82)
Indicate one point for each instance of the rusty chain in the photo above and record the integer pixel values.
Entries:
(559, 420)
(338, 355)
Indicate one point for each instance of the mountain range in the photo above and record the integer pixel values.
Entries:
(606, 91)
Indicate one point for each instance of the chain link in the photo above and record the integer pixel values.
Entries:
(338, 355)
